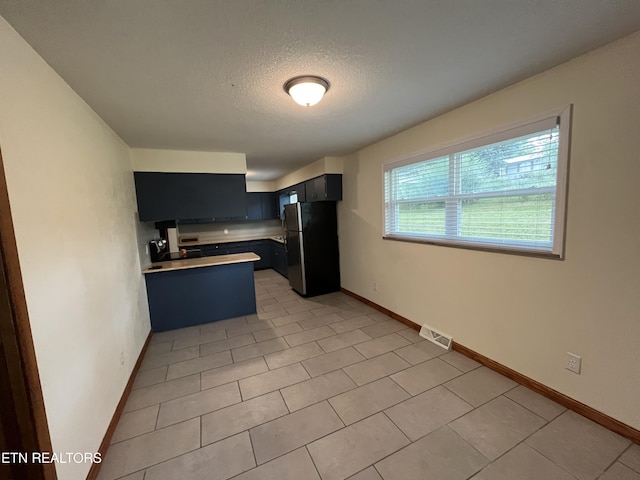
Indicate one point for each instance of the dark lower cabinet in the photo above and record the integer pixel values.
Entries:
(262, 248)
(279, 258)
(214, 249)
(209, 250)
(193, 296)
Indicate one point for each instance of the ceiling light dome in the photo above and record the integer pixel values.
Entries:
(306, 90)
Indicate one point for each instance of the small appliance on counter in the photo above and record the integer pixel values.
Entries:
(159, 252)
(158, 249)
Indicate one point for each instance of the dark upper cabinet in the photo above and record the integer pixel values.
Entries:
(267, 206)
(254, 206)
(324, 188)
(270, 206)
(261, 206)
(300, 190)
(315, 189)
(283, 199)
(177, 196)
(292, 194)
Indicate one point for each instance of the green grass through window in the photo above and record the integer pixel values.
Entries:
(521, 218)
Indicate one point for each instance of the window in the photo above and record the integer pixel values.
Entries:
(501, 191)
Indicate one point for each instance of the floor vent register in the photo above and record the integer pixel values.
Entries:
(436, 337)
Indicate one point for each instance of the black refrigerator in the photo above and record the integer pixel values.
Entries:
(311, 235)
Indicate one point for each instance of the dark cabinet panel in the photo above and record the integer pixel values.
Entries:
(193, 296)
(259, 247)
(272, 254)
(286, 195)
(300, 190)
(178, 196)
(315, 189)
(214, 249)
(279, 258)
(261, 206)
(269, 206)
(324, 188)
(254, 206)
(262, 249)
(283, 199)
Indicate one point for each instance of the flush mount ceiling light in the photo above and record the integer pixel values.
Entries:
(306, 90)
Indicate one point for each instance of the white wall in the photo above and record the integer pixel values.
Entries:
(153, 160)
(72, 198)
(312, 170)
(261, 186)
(526, 312)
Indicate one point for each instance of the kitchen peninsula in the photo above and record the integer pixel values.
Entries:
(193, 291)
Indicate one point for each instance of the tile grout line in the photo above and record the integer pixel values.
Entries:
(625, 451)
(524, 441)
(253, 450)
(313, 462)
(527, 408)
(356, 386)
(489, 461)
(164, 460)
(340, 368)
(155, 424)
(409, 393)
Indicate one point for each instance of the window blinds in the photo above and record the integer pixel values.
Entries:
(497, 191)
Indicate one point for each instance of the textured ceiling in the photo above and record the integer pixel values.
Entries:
(208, 74)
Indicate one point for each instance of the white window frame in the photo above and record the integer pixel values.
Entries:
(511, 131)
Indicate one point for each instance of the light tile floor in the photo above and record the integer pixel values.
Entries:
(328, 388)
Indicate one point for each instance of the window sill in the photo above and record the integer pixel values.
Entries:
(481, 248)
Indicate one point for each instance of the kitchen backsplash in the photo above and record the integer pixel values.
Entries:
(146, 232)
(219, 232)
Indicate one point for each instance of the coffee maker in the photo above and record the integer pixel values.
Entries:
(158, 250)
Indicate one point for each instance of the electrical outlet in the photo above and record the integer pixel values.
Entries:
(146, 249)
(574, 363)
(375, 286)
(121, 358)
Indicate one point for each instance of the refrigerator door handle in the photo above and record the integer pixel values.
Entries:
(284, 232)
(299, 215)
(303, 266)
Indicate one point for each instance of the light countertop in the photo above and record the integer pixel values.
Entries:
(182, 244)
(199, 262)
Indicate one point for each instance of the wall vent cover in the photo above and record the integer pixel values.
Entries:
(436, 337)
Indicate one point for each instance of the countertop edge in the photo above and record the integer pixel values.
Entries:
(200, 262)
(230, 240)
